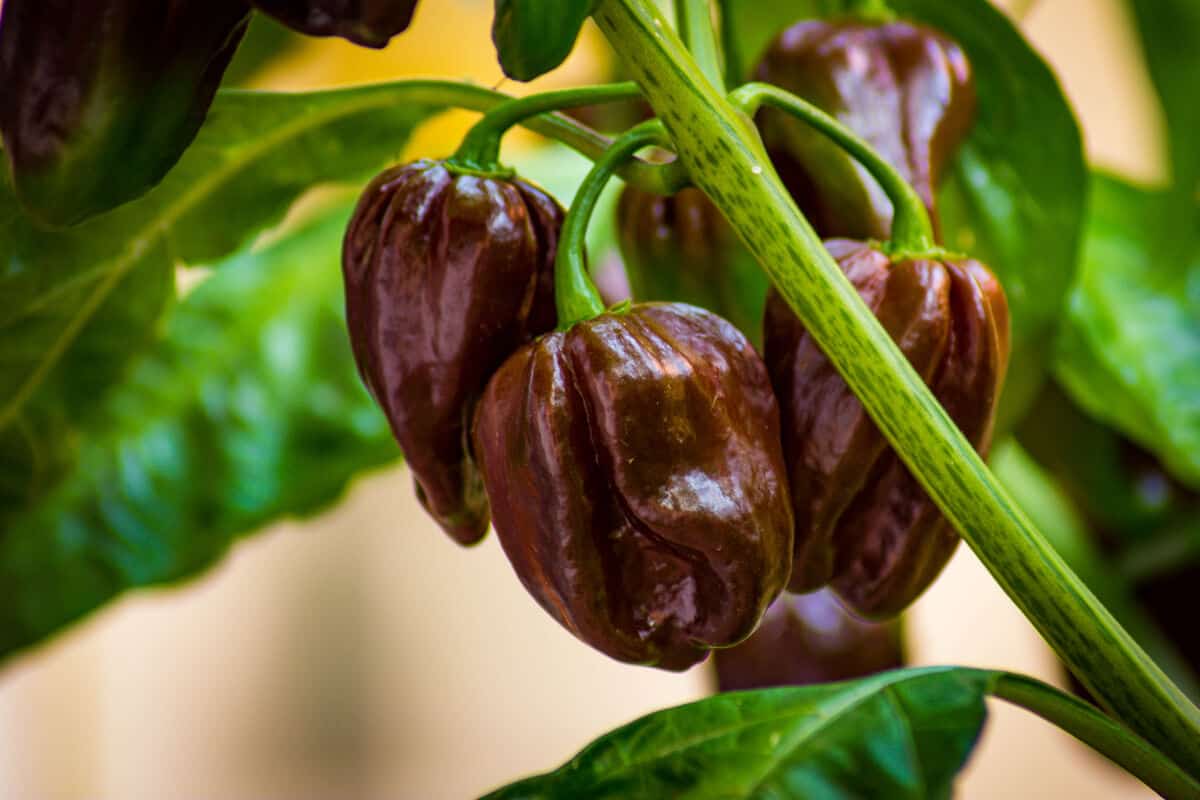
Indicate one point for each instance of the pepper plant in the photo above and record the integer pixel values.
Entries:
(776, 409)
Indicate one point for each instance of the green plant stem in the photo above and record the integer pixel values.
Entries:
(480, 148)
(912, 231)
(693, 19)
(575, 294)
(1097, 731)
(731, 45)
(720, 147)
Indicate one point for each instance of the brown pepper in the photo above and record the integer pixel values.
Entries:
(863, 523)
(681, 248)
(446, 275)
(809, 638)
(906, 89)
(371, 23)
(636, 481)
(100, 98)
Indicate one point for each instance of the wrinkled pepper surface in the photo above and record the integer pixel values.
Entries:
(863, 523)
(809, 638)
(681, 248)
(371, 23)
(101, 98)
(636, 481)
(906, 89)
(446, 276)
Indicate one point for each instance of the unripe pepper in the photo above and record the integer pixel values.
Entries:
(681, 248)
(101, 98)
(906, 89)
(636, 481)
(371, 23)
(863, 523)
(809, 638)
(446, 276)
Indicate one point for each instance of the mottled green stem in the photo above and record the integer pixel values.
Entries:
(912, 231)
(721, 148)
(574, 293)
(1099, 732)
(480, 148)
(693, 18)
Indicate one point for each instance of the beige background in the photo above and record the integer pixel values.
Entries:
(363, 655)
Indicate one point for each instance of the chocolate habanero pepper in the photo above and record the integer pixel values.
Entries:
(371, 23)
(636, 481)
(681, 248)
(101, 98)
(446, 275)
(809, 638)
(863, 523)
(906, 89)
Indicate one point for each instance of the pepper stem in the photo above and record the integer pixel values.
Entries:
(912, 231)
(480, 148)
(574, 293)
(693, 19)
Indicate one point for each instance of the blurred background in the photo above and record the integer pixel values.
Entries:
(364, 655)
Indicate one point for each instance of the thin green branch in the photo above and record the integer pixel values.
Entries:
(720, 147)
(575, 294)
(912, 231)
(1099, 732)
(480, 148)
(693, 19)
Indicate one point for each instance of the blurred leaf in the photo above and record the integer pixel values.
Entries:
(78, 304)
(902, 734)
(265, 41)
(1129, 351)
(533, 37)
(1015, 195)
(1170, 35)
(250, 408)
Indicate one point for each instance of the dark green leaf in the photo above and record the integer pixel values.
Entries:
(1129, 351)
(902, 734)
(265, 42)
(78, 304)
(250, 408)
(1015, 196)
(1170, 35)
(533, 37)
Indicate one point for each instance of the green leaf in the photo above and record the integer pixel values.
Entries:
(265, 42)
(902, 734)
(1015, 196)
(1129, 351)
(248, 409)
(1170, 36)
(533, 37)
(78, 304)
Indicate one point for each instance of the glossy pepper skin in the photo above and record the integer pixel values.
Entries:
(863, 523)
(636, 481)
(681, 248)
(446, 276)
(101, 98)
(809, 638)
(906, 89)
(371, 23)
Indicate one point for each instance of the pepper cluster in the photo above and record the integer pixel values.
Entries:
(655, 481)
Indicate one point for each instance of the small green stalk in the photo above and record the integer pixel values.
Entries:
(912, 231)
(575, 294)
(720, 147)
(693, 19)
(480, 148)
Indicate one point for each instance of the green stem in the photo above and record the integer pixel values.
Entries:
(574, 293)
(693, 19)
(731, 45)
(912, 231)
(480, 148)
(1097, 731)
(721, 149)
